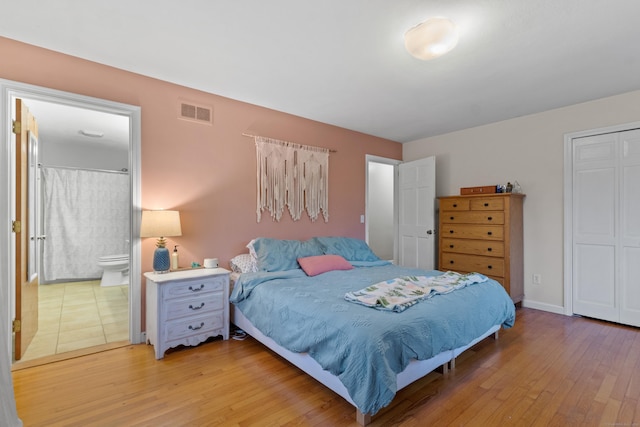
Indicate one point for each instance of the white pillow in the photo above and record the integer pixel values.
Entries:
(243, 263)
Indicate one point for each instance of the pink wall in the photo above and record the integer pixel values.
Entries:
(209, 172)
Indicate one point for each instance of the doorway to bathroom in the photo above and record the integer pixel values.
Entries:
(90, 143)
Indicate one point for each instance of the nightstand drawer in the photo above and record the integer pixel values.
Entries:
(473, 247)
(178, 329)
(472, 263)
(191, 306)
(473, 217)
(194, 287)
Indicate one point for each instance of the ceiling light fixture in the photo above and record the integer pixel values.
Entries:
(92, 133)
(431, 39)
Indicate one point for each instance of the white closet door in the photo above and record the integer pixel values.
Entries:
(630, 228)
(595, 189)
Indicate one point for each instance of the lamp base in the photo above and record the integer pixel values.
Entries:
(161, 260)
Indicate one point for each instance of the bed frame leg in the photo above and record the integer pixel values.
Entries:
(362, 419)
(452, 364)
(496, 335)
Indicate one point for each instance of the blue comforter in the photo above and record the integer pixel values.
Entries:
(364, 347)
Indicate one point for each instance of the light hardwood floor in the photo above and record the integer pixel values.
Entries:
(548, 370)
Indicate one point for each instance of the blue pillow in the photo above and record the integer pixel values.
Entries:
(281, 255)
(347, 247)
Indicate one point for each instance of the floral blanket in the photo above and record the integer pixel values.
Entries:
(402, 292)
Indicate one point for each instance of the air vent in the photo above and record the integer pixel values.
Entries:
(195, 112)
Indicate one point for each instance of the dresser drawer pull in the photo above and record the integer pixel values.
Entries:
(192, 289)
(489, 249)
(451, 246)
(451, 218)
(490, 218)
(489, 267)
(196, 308)
(195, 328)
(451, 231)
(455, 205)
(489, 233)
(451, 262)
(486, 204)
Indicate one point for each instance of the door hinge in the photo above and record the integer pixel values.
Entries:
(16, 226)
(17, 325)
(17, 127)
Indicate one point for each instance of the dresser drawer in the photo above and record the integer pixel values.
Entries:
(454, 205)
(194, 287)
(190, 306)
(471, 217)
(181, 328)
(487, 204)
(472, 263)
(463, 231)
(473, 247)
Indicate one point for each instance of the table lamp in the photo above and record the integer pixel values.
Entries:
(160, 224)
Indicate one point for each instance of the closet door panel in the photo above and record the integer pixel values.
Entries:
(630, 229)
(594, 205)
(594, 295)
(630, 288)
(595, 197)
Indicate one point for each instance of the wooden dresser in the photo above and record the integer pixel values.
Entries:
(483, 233)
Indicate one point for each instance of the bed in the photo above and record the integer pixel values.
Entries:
(365, 354)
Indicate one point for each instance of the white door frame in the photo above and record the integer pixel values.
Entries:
(369, 158)
(10, 90)
(568, 204)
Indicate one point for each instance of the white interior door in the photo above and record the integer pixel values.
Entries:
(416, 213)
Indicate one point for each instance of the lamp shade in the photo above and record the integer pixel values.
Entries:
(431, 39)
(160, 224)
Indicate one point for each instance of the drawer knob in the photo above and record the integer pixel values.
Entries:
(486, 204)
(451, 262)
(196, 308)
(451, 246)
(489, 233)
(451, 231)
(451, 218)
(195, 328)
(192, 289)
(490, 218)
(489, 249)
(455, 205)
(489, 267)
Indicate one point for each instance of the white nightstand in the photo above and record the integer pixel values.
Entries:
(186, 307)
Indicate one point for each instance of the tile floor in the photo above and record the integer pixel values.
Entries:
(78, 315)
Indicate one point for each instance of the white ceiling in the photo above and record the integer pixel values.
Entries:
(343, 61)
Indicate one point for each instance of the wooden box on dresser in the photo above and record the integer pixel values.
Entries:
(483, 233)
(186, 307)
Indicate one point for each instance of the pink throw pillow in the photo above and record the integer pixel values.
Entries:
(318, 264)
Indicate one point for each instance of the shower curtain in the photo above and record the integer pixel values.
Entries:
(86, 216)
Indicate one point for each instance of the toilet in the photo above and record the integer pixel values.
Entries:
(115, 270)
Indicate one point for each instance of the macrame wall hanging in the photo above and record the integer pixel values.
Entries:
(292, 175)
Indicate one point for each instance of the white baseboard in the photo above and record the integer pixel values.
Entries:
(543, 306)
